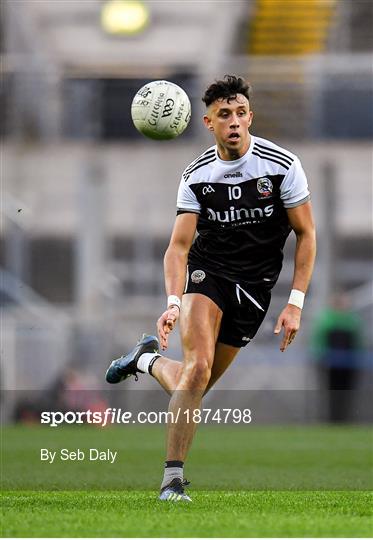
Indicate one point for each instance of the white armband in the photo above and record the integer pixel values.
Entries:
(173, 300)
(296, 298)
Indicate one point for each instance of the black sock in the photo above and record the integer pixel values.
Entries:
(151, 364)
(173, 463)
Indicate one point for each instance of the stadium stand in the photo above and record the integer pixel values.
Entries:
(64, 79)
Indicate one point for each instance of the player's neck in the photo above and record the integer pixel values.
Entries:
(231, 154)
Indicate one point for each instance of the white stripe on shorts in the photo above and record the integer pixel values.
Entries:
(238, 289)
(186, 279)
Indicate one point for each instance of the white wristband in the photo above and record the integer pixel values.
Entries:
(173, 300)
(296, 298)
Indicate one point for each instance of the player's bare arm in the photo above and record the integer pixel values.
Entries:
(301, 221)
(175, 263)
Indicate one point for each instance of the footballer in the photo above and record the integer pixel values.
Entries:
(243, 196)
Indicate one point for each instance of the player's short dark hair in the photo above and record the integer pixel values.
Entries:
(228, 88)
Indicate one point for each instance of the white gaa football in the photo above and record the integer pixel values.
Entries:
(161, 110)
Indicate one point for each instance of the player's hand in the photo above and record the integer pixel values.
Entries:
(289, 319)
(166, 323)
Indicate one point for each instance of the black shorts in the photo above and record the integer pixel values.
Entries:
(244, 306)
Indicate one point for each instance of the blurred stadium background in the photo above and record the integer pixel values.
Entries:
(88, 204)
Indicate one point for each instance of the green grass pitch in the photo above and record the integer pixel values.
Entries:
(246, 482)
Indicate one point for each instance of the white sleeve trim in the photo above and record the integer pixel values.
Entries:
(186, 199)
(294, 187)
(298, 203)
(187, 210)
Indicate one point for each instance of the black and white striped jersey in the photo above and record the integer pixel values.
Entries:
(243, 224)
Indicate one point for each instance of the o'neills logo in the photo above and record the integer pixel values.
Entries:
(233, 175)
(239, 214)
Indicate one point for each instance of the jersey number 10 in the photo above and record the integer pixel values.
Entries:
(234, 192)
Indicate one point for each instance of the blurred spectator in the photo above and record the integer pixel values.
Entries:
(72, 390)
(75, 390)
(337, 345)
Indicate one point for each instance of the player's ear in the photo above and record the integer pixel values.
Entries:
(208, 123)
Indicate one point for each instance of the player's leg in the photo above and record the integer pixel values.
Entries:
(206, 287)
(168, 372)
(173, 477)
(199, 326)
(224, 356)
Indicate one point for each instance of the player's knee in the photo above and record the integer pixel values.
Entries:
(197, 373)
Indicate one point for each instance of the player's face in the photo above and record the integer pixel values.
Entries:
(229, 121)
